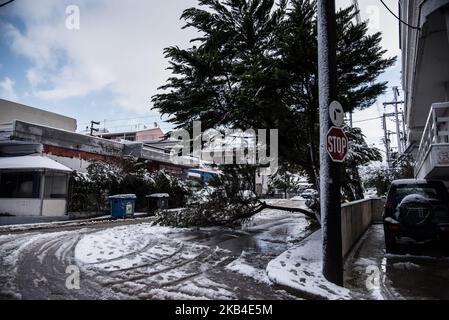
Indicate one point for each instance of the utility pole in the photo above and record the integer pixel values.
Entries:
(386, 138)
(92, 129)
(395, 103)
(387, 135)
(330, 184)
(404, 131)
(358, 18)
(396, 111)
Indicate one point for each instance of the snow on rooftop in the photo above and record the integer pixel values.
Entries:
(411, 181)
(158, 195)
(31, 163)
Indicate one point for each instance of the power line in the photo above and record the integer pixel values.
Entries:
(145, 117)
(366, 120)
(128, 119)
(7, 2)
(400, 20)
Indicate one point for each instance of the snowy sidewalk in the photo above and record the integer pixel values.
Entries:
(299, 269)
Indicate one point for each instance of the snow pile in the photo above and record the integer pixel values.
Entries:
(242, 267)
(300, 269)
(405, 266)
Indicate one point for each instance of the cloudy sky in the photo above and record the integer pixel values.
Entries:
(111, 65)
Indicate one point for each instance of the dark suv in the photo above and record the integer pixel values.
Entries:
(416, 209)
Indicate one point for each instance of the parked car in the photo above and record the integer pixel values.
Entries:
(309, 193)
(416, 209)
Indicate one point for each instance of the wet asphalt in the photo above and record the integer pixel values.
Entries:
(40, 269)
(416, 271)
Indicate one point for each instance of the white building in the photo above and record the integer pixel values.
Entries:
(33, 186)
(11, 111)
(38, 150)
(425, 64)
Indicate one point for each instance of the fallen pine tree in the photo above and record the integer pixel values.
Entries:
(225, 214)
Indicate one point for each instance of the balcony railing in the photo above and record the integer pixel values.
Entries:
(436, 133)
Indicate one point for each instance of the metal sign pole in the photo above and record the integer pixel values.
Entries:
(330, 185)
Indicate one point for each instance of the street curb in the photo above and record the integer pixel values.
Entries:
(296, 271)
(65, 224)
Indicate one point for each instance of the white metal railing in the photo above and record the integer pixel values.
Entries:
(436, 131)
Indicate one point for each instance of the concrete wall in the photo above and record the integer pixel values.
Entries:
(356, 217)
(21, 207)
(28, 132)
(79, 149)
(32, 207)
(10, 111)
(149, 135)
(54, 208)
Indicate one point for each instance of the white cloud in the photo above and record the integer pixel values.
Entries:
(118, 48)
(379, 20)
(7, 89)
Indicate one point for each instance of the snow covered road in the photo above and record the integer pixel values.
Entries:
(141, 261)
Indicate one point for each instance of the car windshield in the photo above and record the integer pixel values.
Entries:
(428, 191)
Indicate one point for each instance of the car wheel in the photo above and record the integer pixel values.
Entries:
(390, 242)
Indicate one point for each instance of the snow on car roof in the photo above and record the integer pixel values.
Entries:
(411, 181)
(31, 163)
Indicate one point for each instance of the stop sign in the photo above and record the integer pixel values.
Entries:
(337, 144)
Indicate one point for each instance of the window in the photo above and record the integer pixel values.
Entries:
(55, 186)
(431, 192)
(19, 185)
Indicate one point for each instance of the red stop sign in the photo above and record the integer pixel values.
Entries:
(337, 144)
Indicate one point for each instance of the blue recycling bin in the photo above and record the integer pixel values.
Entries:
(123, 205)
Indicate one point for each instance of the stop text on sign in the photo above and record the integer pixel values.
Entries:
(337, 144)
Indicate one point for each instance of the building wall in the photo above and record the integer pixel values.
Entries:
(77, 150)
(74, 159)
(54, 208)
(153, 134)
(21, 207)
(261, 184)
(74, 163)
(10, 111)
(31, 207)
(425, 62)
(149, 135)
